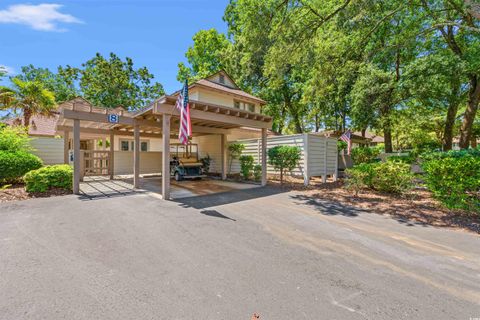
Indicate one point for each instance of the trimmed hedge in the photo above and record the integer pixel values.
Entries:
(390, 177)
(454, 178)
(13, 165)
(43, 179)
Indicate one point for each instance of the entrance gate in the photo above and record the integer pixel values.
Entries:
(95, 162)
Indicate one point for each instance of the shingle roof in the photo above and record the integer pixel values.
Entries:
(217, 86)
(39, 125)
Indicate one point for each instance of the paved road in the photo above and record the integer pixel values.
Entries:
(225, 256)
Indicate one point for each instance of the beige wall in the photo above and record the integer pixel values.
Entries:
(205, 95)
(150, 162)
(49, 149)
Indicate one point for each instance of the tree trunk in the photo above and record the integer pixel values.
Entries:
(387, 136)
(281, 176)
(449, 125)
(470, 112)
(473, 141)
(451, 116)
(27, 115)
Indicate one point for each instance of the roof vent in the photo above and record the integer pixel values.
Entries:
(221, 79)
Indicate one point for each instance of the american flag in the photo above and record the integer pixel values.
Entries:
(183, 107)
(347, 137)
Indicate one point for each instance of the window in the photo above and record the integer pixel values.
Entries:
(251, 107)
(124, 145)
(236, 104)
(129, 145)
(222, 79)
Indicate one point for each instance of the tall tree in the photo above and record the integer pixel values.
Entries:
(112, 82)
(62, 84)
(29, 97)
(207, 55)
(460, 32)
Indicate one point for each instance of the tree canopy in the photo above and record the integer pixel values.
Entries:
(407, 69)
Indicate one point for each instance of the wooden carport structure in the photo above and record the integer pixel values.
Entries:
(159, 120)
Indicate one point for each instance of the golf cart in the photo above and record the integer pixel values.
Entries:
(184, 163)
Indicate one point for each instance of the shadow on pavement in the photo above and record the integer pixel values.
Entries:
(409, 217)
(218, 199)
(216, 214)
(327, 207)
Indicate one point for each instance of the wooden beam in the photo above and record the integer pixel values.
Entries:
(136, 157)
(264, 156)
(195, 129)
(76, 156)
(166, 158)
(112, 155)
(66, 138)
(224, 156)
(216, 117)
(103, 118)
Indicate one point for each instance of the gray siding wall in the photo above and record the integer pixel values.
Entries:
(253, 147)
(49, 149)
(321, 149)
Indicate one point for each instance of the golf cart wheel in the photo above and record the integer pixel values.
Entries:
(178, 176)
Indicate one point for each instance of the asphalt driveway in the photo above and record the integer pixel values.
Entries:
(227, 255)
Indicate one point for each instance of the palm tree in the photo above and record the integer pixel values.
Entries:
(29, 97)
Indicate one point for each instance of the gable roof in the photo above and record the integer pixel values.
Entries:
(226, 75)
(208, 83)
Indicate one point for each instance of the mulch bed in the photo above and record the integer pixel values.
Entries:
(417, 207)
(17, 192)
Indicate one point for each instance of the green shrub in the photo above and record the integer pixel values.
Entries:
(283, 158)
(206, 161)
(454, 178)
(341, 145)
(14, 138)
(390, 177)
(359, 177)
(246, 166)
(13, 165)
(257, 172)
(409, 159)
(234, 151)
(57, 176)
(364, 154)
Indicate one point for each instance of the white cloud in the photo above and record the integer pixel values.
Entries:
(43, 17)
(8, 70)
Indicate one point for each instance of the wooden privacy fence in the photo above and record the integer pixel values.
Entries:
(318, 154)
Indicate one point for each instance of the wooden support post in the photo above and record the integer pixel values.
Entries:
(264, 156)
(166, 157)
(112, 156)
(306, 170)
(335, 176)
(223, 142)
(325, 147)
(136, 156)
(76, 156)
(66, 148)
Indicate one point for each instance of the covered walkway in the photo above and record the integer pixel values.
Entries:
(104, 187)
(159, 120)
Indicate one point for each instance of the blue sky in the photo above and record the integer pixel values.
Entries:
(154, 33)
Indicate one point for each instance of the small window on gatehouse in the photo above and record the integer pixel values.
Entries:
(222, 79)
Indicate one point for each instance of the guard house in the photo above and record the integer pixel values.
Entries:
(220, 112)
